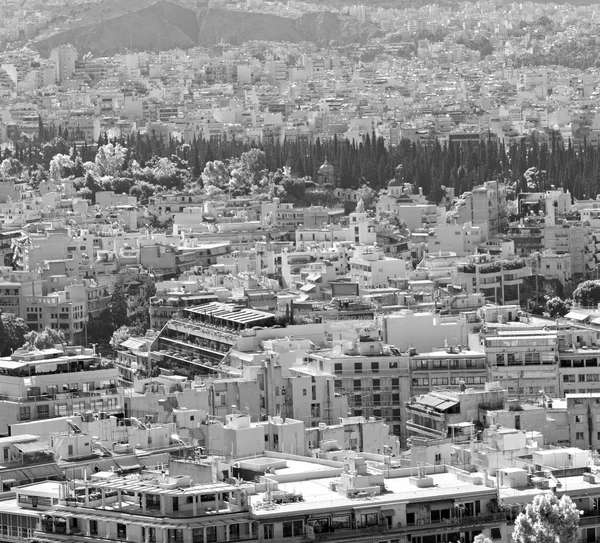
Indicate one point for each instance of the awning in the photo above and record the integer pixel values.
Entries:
(128, 463)
(197, 433)
(308, 288)
(574, 316)
(48, 470)
(367, 509)
(104, 465)
(446, 405)
(154, 460)
(32, 447)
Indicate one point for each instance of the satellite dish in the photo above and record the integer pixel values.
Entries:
(134, 367)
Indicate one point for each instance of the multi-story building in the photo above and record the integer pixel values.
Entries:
(154, 507)
(56, 382)
(172, 296)
(486, 204)
(370, 267)
(499, 281)
(198, 340)
(563, 237)
(373, 376)
(445, 368)
(451, 413)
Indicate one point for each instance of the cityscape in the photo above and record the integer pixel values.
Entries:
(286, 271)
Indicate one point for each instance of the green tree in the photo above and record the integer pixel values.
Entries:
(46, 339)
(557, 307)
(14, 331)
(100, 329)
(118, 305)
(587, 294)
(481, 539)
(547, 520)
(119, 336)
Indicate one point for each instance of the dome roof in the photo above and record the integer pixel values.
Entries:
(395, 183)
(326, 168)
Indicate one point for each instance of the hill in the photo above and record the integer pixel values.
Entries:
(163, 25)
(167, 25)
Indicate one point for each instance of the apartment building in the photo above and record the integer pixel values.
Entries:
(160, 509)
(450, 414)
(56, 382)
(449, 367)
(500, 281)
(370, 267)
(372, 375)
(198, 340)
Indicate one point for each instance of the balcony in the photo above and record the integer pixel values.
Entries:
(98, 393)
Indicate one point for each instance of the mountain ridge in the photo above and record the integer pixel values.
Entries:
(166, 25)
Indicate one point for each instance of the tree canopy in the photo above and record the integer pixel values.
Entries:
(46, 339)
(587, 294)
(547, 519)
(13, 331)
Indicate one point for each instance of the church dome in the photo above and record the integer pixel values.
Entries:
(326, 168)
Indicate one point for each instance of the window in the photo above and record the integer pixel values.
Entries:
(496, 533)
(93, 527)
(358, 367)
(43, 411)
(578, 419)
(393, 365)
(578, 435)
(568, 378)
(268, 532)
(395, 382)
(376, 383)
(374, 367)
(357, 384)
(24, 412)
(121, 531)
(578, 401)
(337, 368)
(315, 410)
(293, 528)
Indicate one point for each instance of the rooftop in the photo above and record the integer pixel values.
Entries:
(317, 495)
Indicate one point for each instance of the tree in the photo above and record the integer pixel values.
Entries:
(547, 520)
(557, 307)
(46, 339)
(100, 329)
(119, 336)
(587, 294)
(367, 195)
(59, 165)
(118, 305)
(481, 539)
(14, 331)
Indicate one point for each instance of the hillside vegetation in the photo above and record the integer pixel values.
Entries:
(167, 25)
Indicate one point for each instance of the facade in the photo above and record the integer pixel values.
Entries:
(372, 375)
(451, 366)
(450, 413)
(56, 382)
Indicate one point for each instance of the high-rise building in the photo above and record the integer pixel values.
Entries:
(64, 57)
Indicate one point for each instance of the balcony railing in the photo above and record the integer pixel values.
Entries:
(98, 393)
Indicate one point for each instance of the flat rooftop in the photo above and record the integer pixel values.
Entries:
(317, 495)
